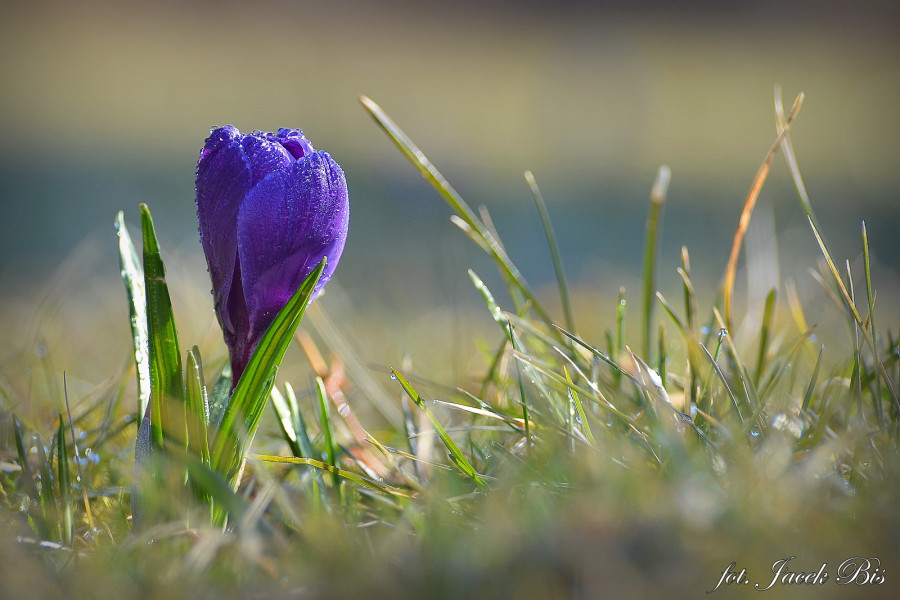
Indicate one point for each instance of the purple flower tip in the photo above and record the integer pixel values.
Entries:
(270, 208)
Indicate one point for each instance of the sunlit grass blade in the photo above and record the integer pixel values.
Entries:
(811, 388)
(554, 250)
(788, 149)
(331, 450)
(456, 455)
(133, 276)
(870, 297)
(65, 483)
(765, 328)
(749, 204)
(242, 415)
(585, 426)
(285, 420)
(648, 278)
(167, 392)
(455, 201)
(196, 405)
(522, 398)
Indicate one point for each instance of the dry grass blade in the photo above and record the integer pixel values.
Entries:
(744, 222)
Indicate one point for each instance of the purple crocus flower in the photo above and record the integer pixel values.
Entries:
(270, 207)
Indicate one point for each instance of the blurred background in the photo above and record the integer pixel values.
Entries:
(104, 105)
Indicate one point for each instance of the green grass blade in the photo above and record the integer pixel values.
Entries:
(65, 483)
(457, 204)
(788, 149)
(585, 426)
(331, 451)
(196, 405)
(167, 394)
(870, 296)
(811, 388)
(657, 199)
(242, 415)
(285, 420)
(522, 399)
(766, 326)
(133, 276)
(306, 447)
(48, 498)
(554, 250)
(891, 384)
(27, 478)
(456, 455)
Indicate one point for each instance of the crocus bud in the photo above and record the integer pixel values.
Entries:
(270, 207)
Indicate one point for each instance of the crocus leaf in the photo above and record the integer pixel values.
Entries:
(165, 358)
(133, 277)
(242, 415)
(196, 405)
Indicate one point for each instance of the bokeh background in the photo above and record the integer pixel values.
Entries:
(104, 105)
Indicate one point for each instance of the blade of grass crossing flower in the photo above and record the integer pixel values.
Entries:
(554, 250)
(133, 277)
(65, 483)
(657, 200)
(166, 419)
(456, 455)
(242, 415)
(196, 405)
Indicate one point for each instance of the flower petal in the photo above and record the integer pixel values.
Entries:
(223, 180)
(294, 142)
(265, 156)
(287, 223)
